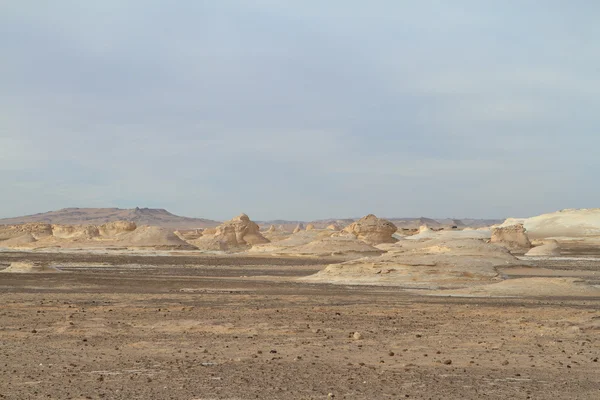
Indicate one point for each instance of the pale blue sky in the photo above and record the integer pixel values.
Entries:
(300, 109)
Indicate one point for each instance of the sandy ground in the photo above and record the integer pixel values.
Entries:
(155, 327)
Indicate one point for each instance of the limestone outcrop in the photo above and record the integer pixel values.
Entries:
(75, 232)
(426, 264)
(19, 241)
(116, 228)
(37, 230)
(238, 232)
(562, 225)
(373, 230)
(154, 237)
(189, 234)
(513, 237)
(113, 234)
(549, 248)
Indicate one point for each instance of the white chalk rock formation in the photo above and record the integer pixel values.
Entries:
(189, 234)
(75, 232)
(19, 241)
(424, 264)
(513, 237)
(570, 223)
(116, 228)
(549, 248)
(528, 287)
(310, 227)
(37, 230)
(347, 246)
(373, 230)
(153, 237)
(30, 268)
(275, 234)
(451, 234)
(239, 232)
(424, 229)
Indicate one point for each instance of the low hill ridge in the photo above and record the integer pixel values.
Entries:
(97, 216)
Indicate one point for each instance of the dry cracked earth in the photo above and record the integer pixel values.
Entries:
(135, 327)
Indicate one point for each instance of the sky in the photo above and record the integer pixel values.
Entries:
(300, 109)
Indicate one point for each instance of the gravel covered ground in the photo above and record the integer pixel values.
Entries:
(156, 327)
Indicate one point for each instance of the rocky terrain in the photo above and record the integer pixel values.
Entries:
(358, 311)
(217, 327)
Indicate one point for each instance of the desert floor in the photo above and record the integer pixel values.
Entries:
(178, 327)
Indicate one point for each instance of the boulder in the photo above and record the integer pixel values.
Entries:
(373, 230)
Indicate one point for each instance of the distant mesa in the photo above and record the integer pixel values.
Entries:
(99, 216)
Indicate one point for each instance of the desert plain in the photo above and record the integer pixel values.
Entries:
(367, 308)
